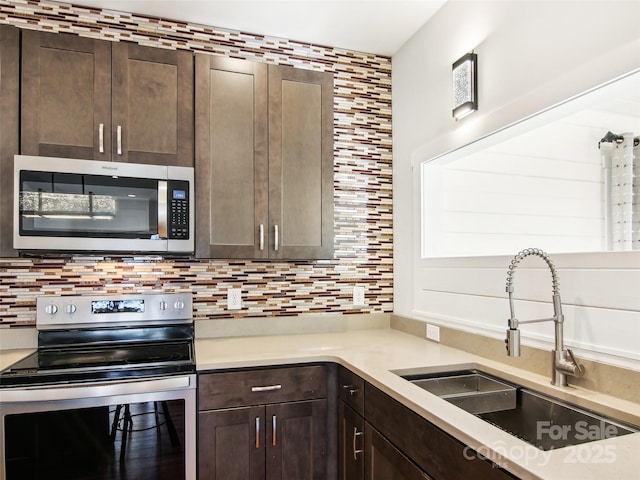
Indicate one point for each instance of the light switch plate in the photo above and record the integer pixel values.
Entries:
(234, 299)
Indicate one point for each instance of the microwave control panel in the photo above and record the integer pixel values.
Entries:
(178, 227)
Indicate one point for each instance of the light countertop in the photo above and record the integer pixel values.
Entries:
(9, 357)
(374, 354)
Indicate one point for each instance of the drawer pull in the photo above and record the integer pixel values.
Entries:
(257, 432)
(356, 434)
(266, 388)
(352, 389)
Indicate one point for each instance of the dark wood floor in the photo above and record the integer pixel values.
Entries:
(149, 453)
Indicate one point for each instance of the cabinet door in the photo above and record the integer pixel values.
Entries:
(9, 130)
(231, 158)
(152, 94)
(350, 444)
(66, 96)
(300, 163)
(351, 389)
(385, 462)
(296, 444)
(231, 444)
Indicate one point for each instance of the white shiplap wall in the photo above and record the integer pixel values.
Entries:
(532, 55)
(600, 296)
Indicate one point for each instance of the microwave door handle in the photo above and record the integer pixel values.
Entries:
(162, 209)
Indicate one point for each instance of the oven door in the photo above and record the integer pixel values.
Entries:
(112, 430)
(84, 205)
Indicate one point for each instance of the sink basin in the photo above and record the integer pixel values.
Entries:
(548, 423)
(471, 391)
(541, 420)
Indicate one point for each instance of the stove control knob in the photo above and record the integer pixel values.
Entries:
(179, 305)
(163, 305)
(51, 309)
(70, 308)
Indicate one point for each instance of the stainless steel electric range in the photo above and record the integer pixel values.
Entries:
(109, 393)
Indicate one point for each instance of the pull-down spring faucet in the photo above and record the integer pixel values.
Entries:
(564, 362)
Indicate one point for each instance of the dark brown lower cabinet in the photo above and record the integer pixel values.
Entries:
(386, 462)
(280, 441)
(230, 446)
(434, 451)
(381, 439)
(296, 443)
(365, 454)
(351, 446)
(264, 424)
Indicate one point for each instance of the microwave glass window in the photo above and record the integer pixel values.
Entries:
(63, 204)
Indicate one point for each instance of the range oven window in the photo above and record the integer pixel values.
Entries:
(78, 205)
(137, 440)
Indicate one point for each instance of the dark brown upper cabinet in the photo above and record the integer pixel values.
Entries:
(300, 163)
(101, 100)
(9, 130)
(264, 161)
(231, 158)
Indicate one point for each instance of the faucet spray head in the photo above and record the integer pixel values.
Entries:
(513, 342)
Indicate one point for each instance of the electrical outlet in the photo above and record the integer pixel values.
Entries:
(433, 332)
(234, 299)
(358, 297)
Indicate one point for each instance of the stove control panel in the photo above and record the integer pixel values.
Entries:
(105, 310)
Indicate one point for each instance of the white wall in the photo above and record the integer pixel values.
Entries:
(532, 54)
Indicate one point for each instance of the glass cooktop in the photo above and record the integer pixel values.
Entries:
(100, 363)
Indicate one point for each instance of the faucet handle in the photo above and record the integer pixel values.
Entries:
(579, 369)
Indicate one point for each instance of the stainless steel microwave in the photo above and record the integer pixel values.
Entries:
(83, 206)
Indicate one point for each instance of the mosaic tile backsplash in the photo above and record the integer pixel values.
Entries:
(362, 186)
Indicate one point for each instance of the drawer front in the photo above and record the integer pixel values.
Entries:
(263, 386)
(351, 389)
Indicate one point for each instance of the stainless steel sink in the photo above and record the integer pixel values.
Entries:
(471, 391)
(543, 421)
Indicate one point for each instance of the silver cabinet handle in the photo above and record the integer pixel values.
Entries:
(351, 389)
(276, 237)
(101, 138)
(274, 424)
(119, 136)
(257, 432)
(266, 388)
(261, 236)
(356, 434)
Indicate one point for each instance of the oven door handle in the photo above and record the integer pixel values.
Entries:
(70, 391)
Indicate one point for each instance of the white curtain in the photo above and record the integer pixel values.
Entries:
(622, 193)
